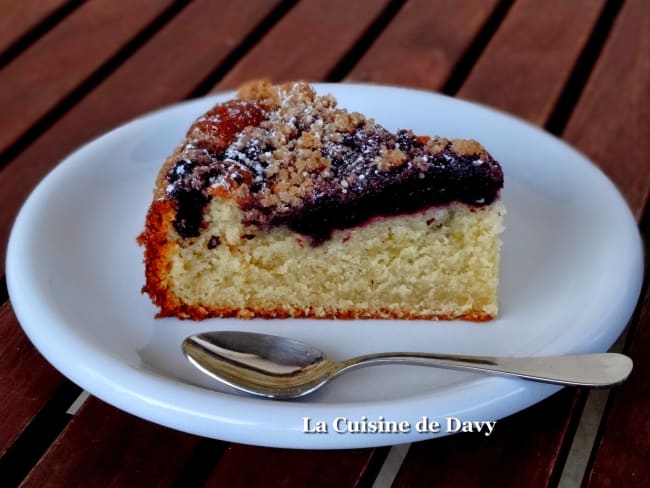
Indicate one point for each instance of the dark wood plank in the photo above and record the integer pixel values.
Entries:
(388, 61)
(49, 70)
(516, 454)
(284, 466)
(27, 381)
(592, 131)
(299, 37)
(307, 43)
(423, 43)
(529, 59)
(198, 39)
(623, 450)
(611, 122)
(529, 90)
(102, 446)
(257, 466)
(18, 18)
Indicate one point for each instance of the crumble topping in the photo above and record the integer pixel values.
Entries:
(290, 157)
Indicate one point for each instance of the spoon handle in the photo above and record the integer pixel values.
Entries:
(590, 370)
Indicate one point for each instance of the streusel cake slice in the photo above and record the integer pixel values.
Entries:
(281, 204)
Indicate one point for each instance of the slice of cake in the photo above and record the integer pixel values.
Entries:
(281, 204)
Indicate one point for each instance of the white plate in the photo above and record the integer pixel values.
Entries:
(571, 275)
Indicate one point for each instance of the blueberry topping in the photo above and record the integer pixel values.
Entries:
(214, 242)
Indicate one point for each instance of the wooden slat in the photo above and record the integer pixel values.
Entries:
(529, 60)
(531, 91)
(288, 467)
(516, 454)
(239, 452)
(299, 38)
(37, 80)
(198, 39)
(18, 18)
(388, 62)
(104, 447)
(423, 44)
(302, 468)
(604, 96)
(26, 381)
(308, 42)
(611, 122)
(622, 453)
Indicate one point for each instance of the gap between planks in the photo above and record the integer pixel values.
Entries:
(239, 51)
(584, 439)
(359, 48)
(575, 465)
(462, 70)
(583, 68)
(36, 31)
(4, 292)
(385, 477)
(78, 403)
(391, 466)
(20, 458)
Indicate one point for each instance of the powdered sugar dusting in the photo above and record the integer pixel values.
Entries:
(283, 152)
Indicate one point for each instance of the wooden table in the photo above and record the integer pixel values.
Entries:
(70, 70)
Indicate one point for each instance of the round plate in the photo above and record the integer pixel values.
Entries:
(571, 275)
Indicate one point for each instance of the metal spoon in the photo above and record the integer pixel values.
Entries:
(277, 367)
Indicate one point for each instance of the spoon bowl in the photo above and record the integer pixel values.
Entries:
(261, 364)
(282, 368)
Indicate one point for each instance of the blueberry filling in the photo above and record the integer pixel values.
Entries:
(356, 190)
